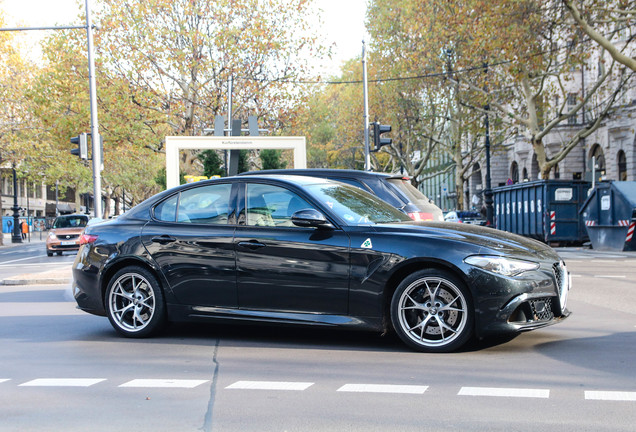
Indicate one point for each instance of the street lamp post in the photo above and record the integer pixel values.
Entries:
(16, 235)
(488, 191)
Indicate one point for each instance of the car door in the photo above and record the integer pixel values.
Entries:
(282, 267)
(190, 237)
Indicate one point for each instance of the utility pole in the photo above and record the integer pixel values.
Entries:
(367, 153)
(97, 157)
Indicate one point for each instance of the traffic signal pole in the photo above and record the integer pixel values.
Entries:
(367, 153)
(97, 157)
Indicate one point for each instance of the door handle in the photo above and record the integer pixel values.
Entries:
(164, 239)
(253, 244)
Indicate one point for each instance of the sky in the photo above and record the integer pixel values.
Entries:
(343, 24)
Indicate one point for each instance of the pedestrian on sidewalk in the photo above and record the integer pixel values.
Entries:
(25, 229)
(10, 225)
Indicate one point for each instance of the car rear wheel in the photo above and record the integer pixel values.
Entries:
(431, 311)
(134, 302)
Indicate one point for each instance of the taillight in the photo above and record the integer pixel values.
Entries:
(421, 216)
(87, 238)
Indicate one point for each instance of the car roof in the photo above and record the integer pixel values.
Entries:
(322, 172)
(301, 180)
(73, 215)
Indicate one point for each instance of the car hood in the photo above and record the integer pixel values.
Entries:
(67, 231)
(489, 240)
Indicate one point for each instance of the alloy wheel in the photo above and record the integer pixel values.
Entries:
(132, 302)
(433, 314)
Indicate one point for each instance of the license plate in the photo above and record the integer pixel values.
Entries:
(68, 243)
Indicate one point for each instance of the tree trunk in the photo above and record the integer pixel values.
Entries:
(108, 196)
(459, 178)
(78, 201)
(542, 159)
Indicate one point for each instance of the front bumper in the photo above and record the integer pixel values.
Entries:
(528, 312)
(537, 299)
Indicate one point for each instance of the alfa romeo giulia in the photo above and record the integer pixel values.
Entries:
(309, 251)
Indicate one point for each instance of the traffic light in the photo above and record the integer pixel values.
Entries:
(81, 141)
(378, 130)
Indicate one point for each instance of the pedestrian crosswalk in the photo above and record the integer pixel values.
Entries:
(299, 386)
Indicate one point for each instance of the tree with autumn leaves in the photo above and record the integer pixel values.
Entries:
(436, 69)
(162, 69)
(516, 60)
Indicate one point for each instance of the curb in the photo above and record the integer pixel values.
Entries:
(43, 281)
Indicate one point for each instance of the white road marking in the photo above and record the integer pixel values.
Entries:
(609, 258)
(61, 264)
(4, 380)
(610, 395)
(270, 385)
(383, 388)
(504, 392)
(62, 382)
(164, 383)
(611, 276)
(23, 259)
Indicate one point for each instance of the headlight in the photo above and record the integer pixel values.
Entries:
(52, 236)
(501, 265)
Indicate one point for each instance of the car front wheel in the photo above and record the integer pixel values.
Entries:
(432, 311)
(134, 302)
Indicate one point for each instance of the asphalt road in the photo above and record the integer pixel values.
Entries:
(62, 369)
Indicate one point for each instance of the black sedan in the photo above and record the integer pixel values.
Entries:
(309, 251)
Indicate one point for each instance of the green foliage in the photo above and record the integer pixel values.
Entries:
(271, 159)
(213, 165)
(243, 162)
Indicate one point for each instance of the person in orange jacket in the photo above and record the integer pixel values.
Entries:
(25, 229)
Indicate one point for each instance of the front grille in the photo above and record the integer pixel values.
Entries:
(65, 237)
(559, 274)
(541, 309)
(534, 311)
(562, 280)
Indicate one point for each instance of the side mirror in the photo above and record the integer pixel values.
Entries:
(310, 218)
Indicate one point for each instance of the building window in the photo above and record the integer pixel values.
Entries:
(599, 160)
(514, 172)
(622, 166)
(571, 99)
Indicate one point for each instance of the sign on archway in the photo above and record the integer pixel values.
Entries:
(176, 143)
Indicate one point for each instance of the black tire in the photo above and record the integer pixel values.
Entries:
(432, 311)
(134, 303)
(49, 253)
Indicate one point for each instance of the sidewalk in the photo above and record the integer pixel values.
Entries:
(61, 276)
(35, 239)
(51, 277)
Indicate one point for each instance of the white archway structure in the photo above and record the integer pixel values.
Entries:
(176, 143)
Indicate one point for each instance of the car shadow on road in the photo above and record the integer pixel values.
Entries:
(610, 353)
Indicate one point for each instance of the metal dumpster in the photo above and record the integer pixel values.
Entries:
(546, 210)
(610, 216)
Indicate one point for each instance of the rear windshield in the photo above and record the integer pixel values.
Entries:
(70, 222)
(469, 215)
(405, 189)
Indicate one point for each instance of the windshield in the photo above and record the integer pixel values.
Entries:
(70, 222)
(355, 206)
